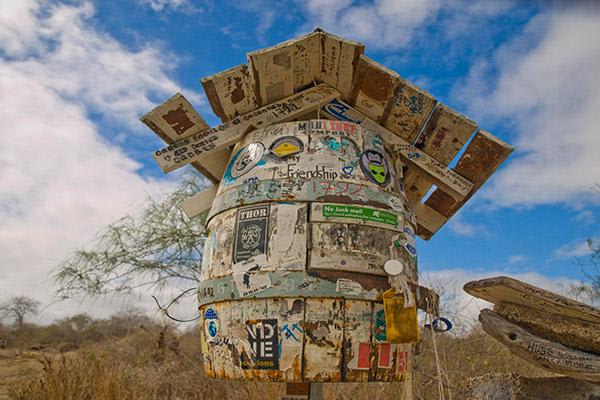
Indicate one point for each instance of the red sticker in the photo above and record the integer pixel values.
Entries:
(402, 361)
(385, 359)
(364, 352)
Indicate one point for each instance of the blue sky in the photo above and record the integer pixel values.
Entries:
(76, 75)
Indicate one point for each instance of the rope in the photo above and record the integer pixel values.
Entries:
(399, 284)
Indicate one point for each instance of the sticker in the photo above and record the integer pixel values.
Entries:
(402, 361)
(251, 236)
(286, 146)
(364, 353)
(385, 356)
(363, 213)
(380, 331)
(348, 286)
(244, 160)
(340, 111)
(396, 203)
(411, 241)
(211, 325)
(248, 277)
(375, 167)
(263, 339)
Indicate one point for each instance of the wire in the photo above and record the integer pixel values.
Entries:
(165, 310)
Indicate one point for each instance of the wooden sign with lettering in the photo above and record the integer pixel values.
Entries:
(551, 356)
(201, 145)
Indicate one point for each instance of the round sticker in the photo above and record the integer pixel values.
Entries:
(286, 146)
(393, 267)
(245, 159)
(375, 167)
(396, 203)
(211, 328)
(210, 314)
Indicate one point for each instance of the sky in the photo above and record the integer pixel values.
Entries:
(76, 75)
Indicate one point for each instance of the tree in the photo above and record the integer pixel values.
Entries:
(589, 289)
(157, 247)
(18, 307)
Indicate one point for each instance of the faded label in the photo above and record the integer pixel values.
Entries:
(348, 286)
(263, 339)
(341, 111)
(364, 213)
(251, 236)
(380, 328)
(248, 277)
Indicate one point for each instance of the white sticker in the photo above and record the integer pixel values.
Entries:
(411, 241)
(396, 203)
(348, 286)
(248, 276)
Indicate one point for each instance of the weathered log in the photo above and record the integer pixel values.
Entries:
(503, 289)
(515, 387)
(551, 356)
(572, 332)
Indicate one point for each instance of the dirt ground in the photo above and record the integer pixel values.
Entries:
(17, 367)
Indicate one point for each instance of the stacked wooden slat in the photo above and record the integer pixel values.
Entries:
(383, 98)
(551, 331)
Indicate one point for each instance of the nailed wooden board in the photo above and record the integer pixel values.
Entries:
(483, 155)
(200, 202)
(551, 356)
(231, 92)
(408, 111)
(503, 289)
(339, 61)
(373, 87)
(200, 145)
(177, 119)
(445, 134)
(573, 332)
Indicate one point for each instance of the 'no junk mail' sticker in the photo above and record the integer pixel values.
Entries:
(251, 232)
(375, 167)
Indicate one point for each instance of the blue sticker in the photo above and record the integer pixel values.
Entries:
(212, 329)
(210, 314)
(340, 111)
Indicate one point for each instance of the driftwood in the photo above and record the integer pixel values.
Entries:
(572, 332)
(503, 289)
(549, 355)
(515, 387)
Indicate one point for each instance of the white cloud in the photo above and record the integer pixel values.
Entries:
(517, 259)
(577, 248)
(585, 217)
(549, 93)
(61, 180)
(161, 5)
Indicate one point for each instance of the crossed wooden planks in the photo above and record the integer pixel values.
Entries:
(544, 328)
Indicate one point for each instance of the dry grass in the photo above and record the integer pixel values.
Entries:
(143, 368)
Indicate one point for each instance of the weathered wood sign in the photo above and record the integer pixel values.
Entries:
(552, 356)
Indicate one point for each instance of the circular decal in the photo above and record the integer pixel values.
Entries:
(375, 167)
(250, 236)
(245, 159)
(286, 146)
(396, 203)
(393, 267)
(210, 314)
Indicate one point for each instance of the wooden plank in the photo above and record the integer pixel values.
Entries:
(572, 332)
(484, 154)
(231, 92)
(428, 220)
(307, 61)
(200, 145)
(444, 135)
(450, 182)
(551, 356)
(373, 88)
(409, 110)
(503, 289)
(200, 202)
(339, 62)
(331, 48)
(323, 326)
(177, 119)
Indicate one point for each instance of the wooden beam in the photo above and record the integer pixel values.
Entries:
(231, 92)
(551, 356)
(201, 145)
(200, 202)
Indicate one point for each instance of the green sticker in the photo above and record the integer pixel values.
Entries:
(364, 213)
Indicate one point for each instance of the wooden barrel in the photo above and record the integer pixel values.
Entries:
(305, 218)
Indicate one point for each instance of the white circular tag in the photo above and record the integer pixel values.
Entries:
(393, 267)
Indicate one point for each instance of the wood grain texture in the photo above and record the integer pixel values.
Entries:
(200, 202)
(551, 356)
(231, 92)
(503, 289)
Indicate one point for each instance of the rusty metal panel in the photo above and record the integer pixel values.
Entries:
(323, 330)
(217, 331)
(290, 318)
(357, 340)
(231, 92)
(350, 247)
(206, 353)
